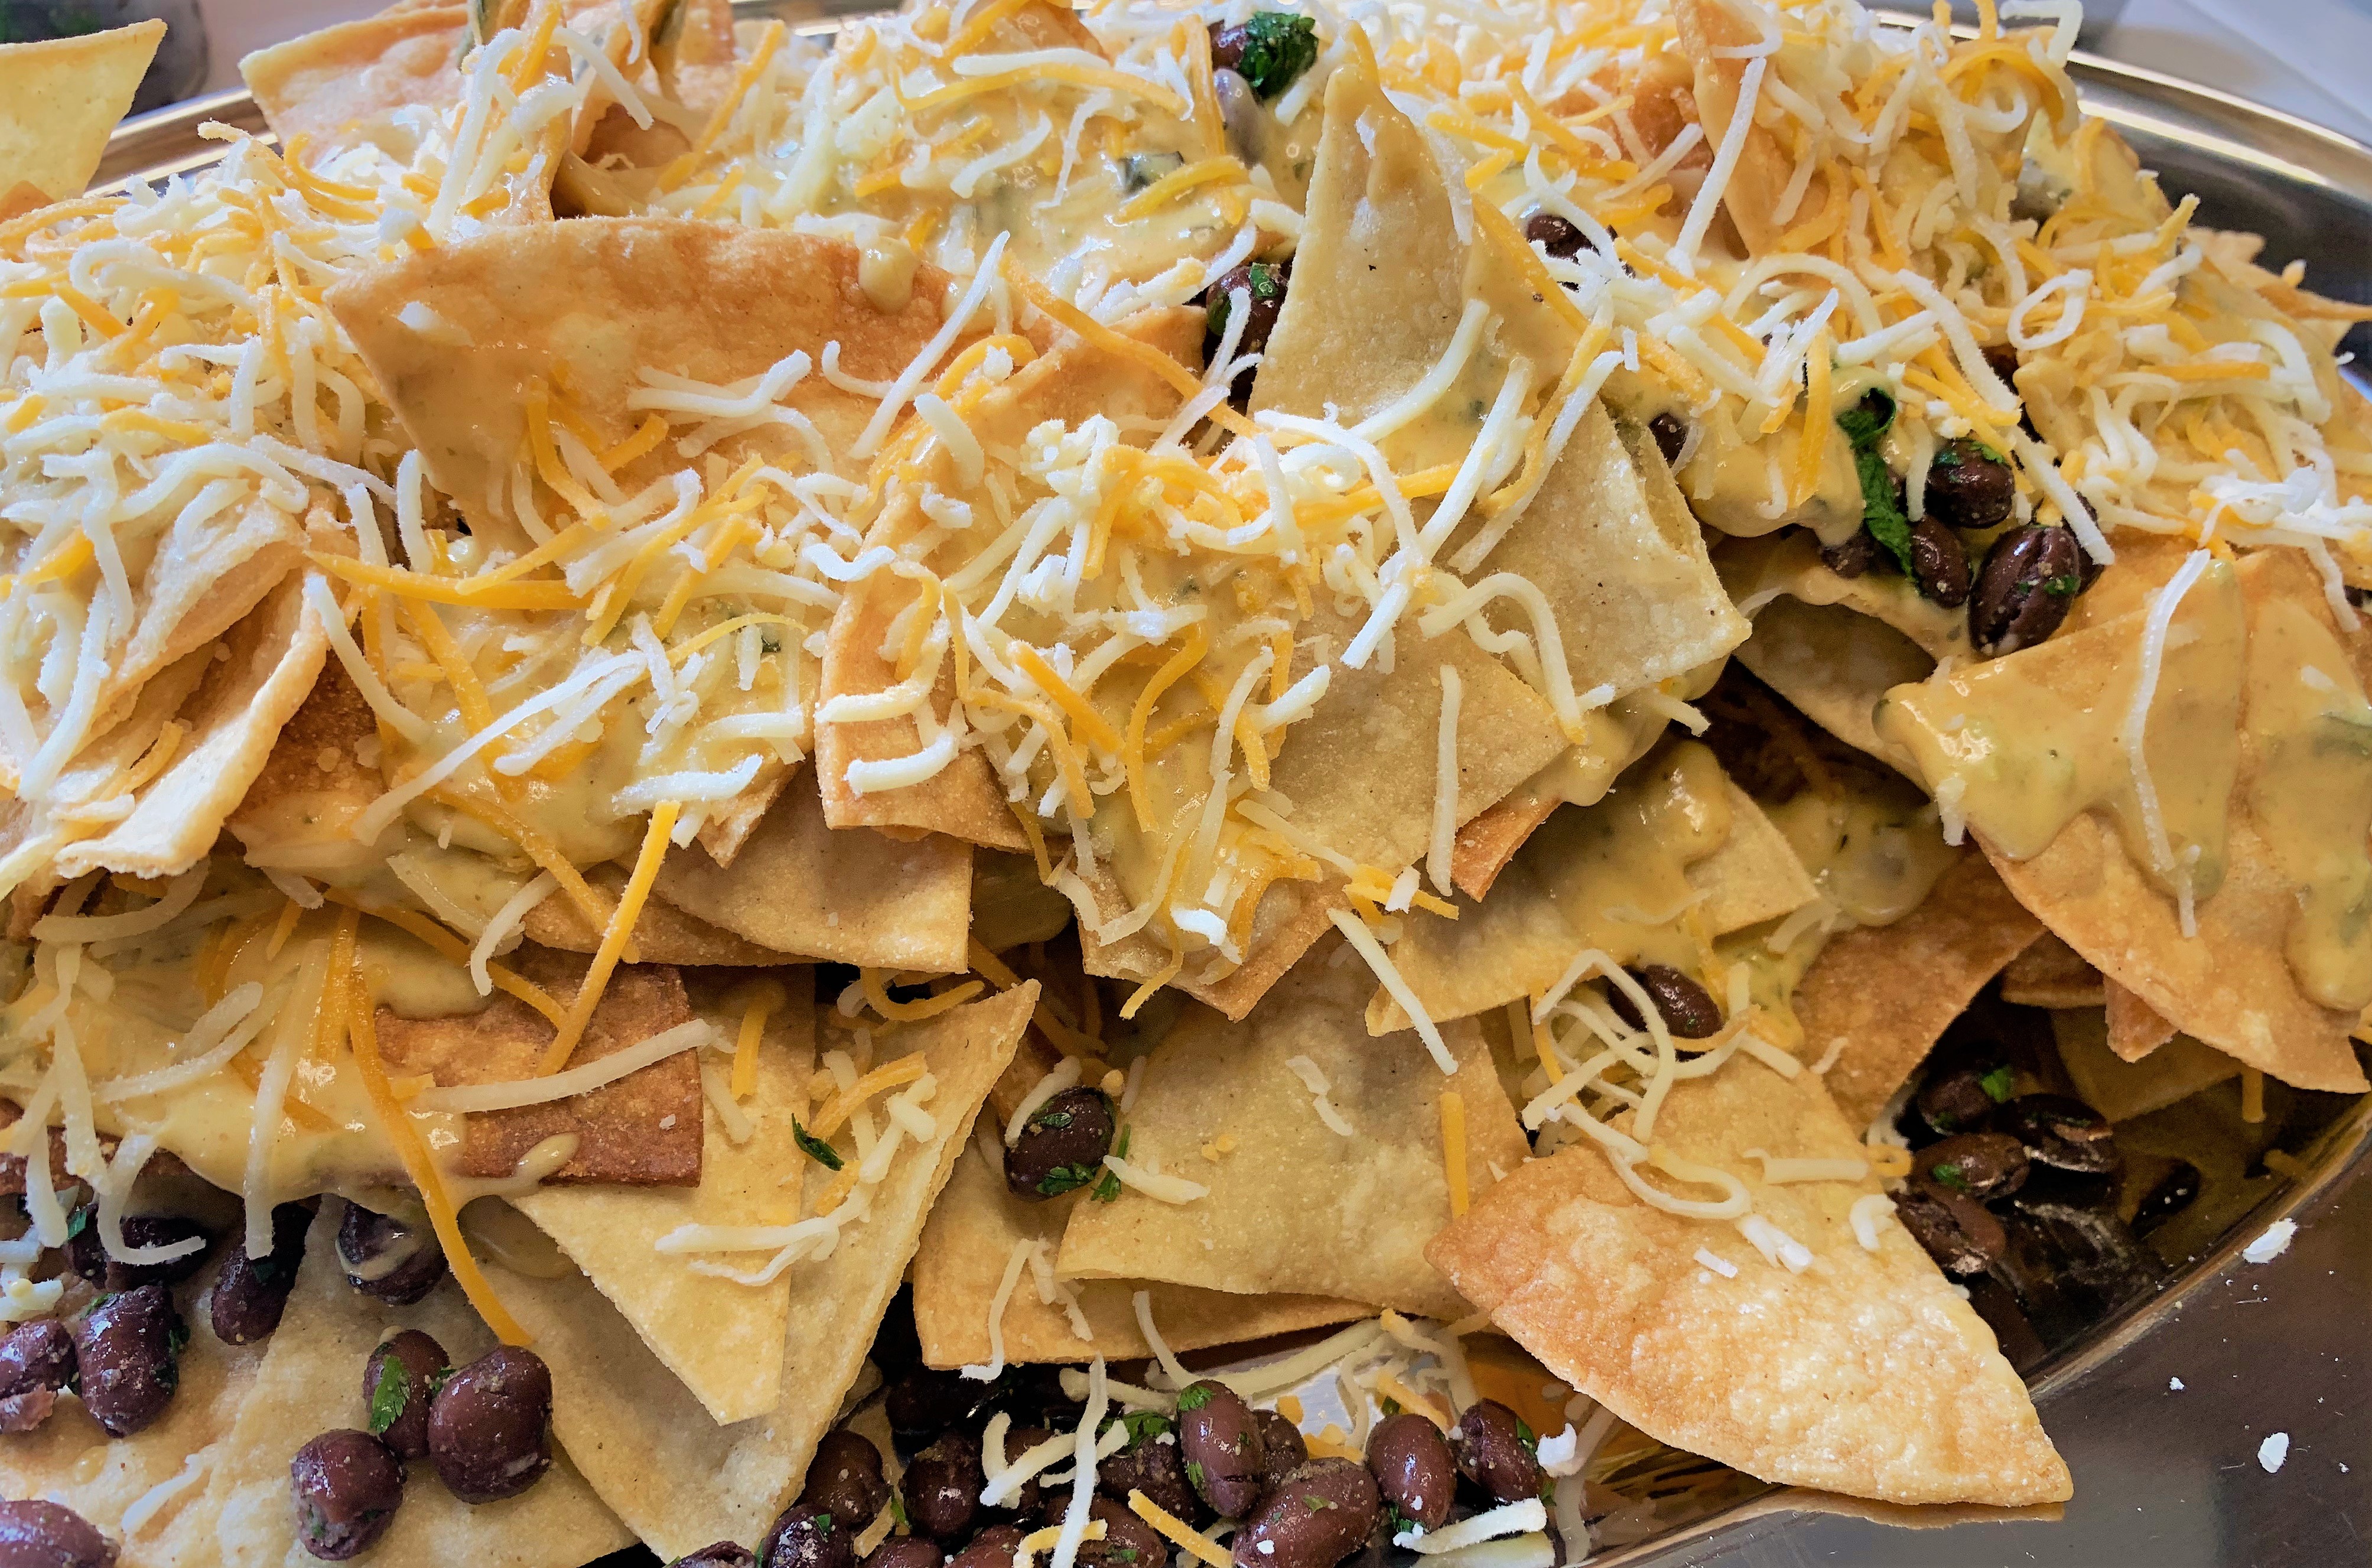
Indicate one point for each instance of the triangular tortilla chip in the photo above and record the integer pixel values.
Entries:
(646, 1444)
(2122, 1090)
(592, 303)
(2052, 974)
(312, 1381)
(643, 1129)
(1882, 996)
(2251, 775)
(722, 1341)
(852, 896)
(1291, 917)
(663, 934)
(61, 98)
(969, 1241)
(1754, 570)
(234, 719)
(2135, 1029)
(1616, 737)
(1297, 1206)
(343, 82)
(55, 1459)
(1834, 666)
(1864, 1374)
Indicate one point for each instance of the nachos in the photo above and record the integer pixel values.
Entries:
(737, 770)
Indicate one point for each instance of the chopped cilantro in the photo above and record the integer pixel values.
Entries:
(1316, 1502)
(1864, 425)
(1949, 1175)
(823, 1522)
(814, 1148)
(1278, 46)
(898, 1511)
(78, 1222)
(1057, 1119)
(1264, 282)
(2065, 586)
(1194, 1398)
(1527, 1436)
(1140, 171)
(1107, 1189)
(1997, 1083)
(1391, 1406)
(388, 1396)
(1065, 1179)
(1196, 1476)
(1143, 1425)
(1396, 1523)
(1121, 1554)
(438, 1378)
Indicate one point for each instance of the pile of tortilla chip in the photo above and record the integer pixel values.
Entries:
(645, 654)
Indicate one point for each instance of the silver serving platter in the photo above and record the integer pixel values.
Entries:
(2166, 1477)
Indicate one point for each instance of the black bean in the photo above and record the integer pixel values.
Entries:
(2061, 1133)
(1265, 284)
(486, 1426)
(1062, 1146)
(2167, 1196)
(922, 1403)
(844, 1478)
(1958, 1231)
(809, 1538)
(1983, 1166)
(1961, 1099)
(399, 1382)
(1939, 563)
(942, 1488)
(49, 1535)
(1856, 557)
(1240, 115)
(347, 1486)
(1281, 1443)
(1128, 1541)
(906, 1551)
(1154, 1465)
(1413, 1468)
(2031, 576)
(1968, 486)
(128, 1348)
(1671, 434)
(1554, 234)
(2003, 359)
(993, 1547)
(1492, 1453)
(87, 1255)
(1314, 1518)
(1687, 1011)
(722, 1554)
(1225, 1459)
(386, 1258)
(1033, 1396)
(1030, 1499)
(37, 1362)
(250, 1293)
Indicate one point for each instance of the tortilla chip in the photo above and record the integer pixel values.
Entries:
(1789, 563)
(1298, 1207)
(646, 1444)
(60, 99)
(1866, 1373)
(312, 1381)
(592, 303)
(1070, 381)
(2052, 974)
(345, 82)
(234, 719)
(1616, 737)
(69, 1458)
(644, 1130)
(663, 934)
(853, 897)
(969, 1240)
(1834, 665)
(2134, 1030)
(2119, 1089)
(722, 1341)
(1882, 996)
(1560, 894)
(1291, 916)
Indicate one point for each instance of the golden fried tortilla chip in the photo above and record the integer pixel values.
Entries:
(722, 1340)
(644, 1130)
(311, 1381)
(61, 98)
(2119, 1089)
(454, 332)
(69, 1458)
(969, 1243)
(343, 82)
(2134, 1030)
(646, 1444)
(663, 934)
(1865, 1373)
(1299, 1205)
(1835, 666)
(233, 720)
(1754, 570)
(1882, 996)
(2052, 974)
(1615, 737)
(853, 896)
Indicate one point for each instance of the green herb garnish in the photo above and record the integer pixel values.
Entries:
(1065, 1179)
(1948, 1175)
(388, 1396)
(814, 1148)
(1264, 282)
(1865, 424)
(1278, 47)
(1194, 1398)
(1997, 1083)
